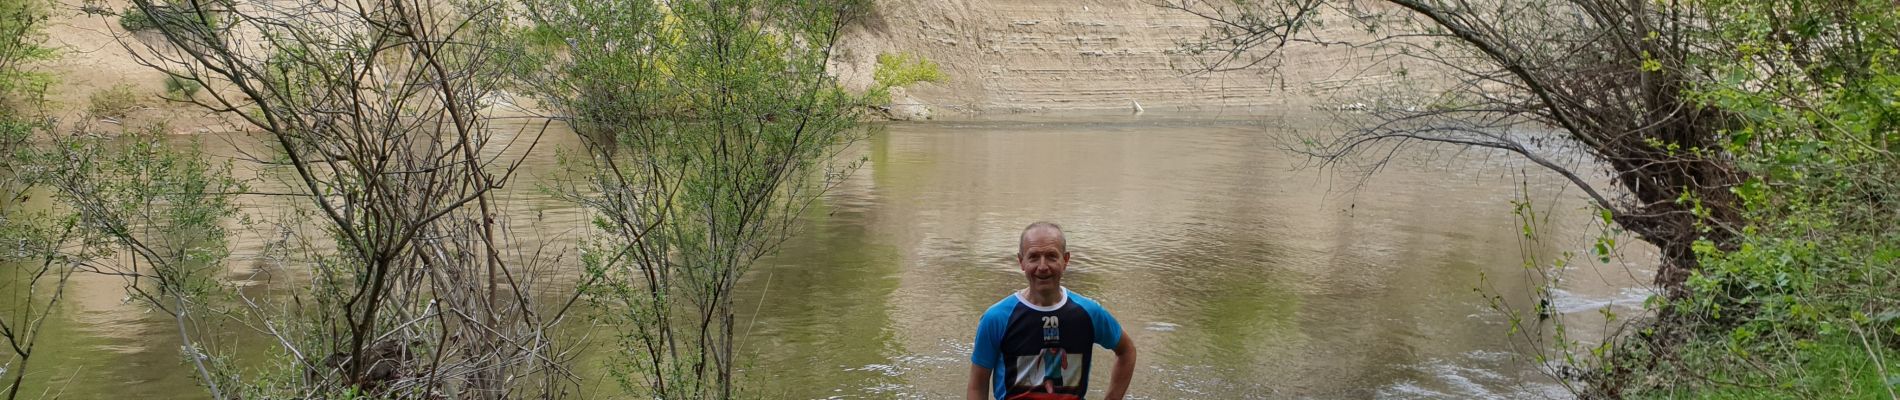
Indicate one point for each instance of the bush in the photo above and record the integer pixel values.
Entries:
(903, 69)
(24, 23)
(134, 19)
(114, 102)
(543, 36)
(181, 87)
(1807, 304)
(897, 70)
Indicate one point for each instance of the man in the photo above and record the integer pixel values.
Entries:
(1034, 344)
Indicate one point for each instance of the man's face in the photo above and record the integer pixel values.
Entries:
(1042, 259)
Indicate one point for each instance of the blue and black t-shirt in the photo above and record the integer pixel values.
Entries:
(1042, 352)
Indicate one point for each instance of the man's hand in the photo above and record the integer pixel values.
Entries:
(979, 383)
(1124, 368)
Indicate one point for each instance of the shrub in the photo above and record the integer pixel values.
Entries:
(23, 23)
(134, 19)
(543, 36)
(1807, 303)
(181, 87)
(903, 69)
(114, 102)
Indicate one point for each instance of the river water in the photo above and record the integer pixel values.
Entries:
(1239, 274)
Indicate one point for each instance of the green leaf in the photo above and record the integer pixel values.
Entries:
(1886, 317)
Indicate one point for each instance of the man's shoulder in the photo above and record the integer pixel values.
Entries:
(1085, 303)
(1002, 308)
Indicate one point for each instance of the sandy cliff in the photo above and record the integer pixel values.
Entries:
(91, 59)
(999, 55)
(1027, 56)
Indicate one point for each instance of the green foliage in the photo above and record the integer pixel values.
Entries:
(22, 172)
(542, 36)
(21, 24)
(710, 125)
(181, 87)
(1832, 367)
(113, 102)
(135, 19)
(378, 115)
(31, 262)
(134, 207)
(898, 70)
(158, 201)
(903, 69)
(132, 19)
(294, 71)
(1805, 306)
(1527, 321)
(34, 236)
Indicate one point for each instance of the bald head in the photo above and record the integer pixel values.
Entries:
(1042, 228)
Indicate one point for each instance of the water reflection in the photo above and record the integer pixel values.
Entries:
(820, 312)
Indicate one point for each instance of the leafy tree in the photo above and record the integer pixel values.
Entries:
(35, 273)
(1571, 86)
(707, 125)
(1750, 141)
(1807, 305)
(21, 30)
(378, 115)
(161, 206)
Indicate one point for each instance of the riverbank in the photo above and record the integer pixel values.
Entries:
(92, 61)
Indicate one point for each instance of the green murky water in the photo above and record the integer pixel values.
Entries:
(1239, 275)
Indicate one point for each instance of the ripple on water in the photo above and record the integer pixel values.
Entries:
(1162, 326)
(1567, 302)
(1198, 382)
(1484, 375)
(899, 367)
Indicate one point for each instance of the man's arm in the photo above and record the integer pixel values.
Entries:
(979, 383)
(1124, 368)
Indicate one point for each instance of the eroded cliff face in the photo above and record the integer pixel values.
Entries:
(1029, 56)
(1000, 56)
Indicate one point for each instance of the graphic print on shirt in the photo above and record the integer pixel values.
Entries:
(1053, 370)
(1046, 353)
(1042, 353)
